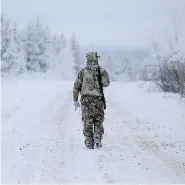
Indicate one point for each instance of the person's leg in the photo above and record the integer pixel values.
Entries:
(88, 132)
(98, 123)
(98, 133)
(87, 119)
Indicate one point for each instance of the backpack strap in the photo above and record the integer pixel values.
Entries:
(101, 85)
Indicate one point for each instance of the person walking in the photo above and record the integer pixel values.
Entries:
(89, 84)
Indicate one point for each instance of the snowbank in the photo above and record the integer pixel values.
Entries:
(160, 109)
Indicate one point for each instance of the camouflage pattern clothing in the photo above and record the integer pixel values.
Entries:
(87, 85)
(93, 117)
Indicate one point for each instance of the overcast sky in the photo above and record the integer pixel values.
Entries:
(103, 22)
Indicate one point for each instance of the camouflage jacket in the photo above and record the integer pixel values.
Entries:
(87, 82)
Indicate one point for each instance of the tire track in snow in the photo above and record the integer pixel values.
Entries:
(78, 162)
(120, 160)
(169, 163)
(50, 164)
(22, 148)
(116, 160)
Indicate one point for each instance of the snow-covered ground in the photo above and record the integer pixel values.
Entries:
(42, 139)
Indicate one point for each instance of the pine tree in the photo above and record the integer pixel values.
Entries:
(30, 47)
(43, 40)
(75, 54)
(37, 40)
(11, 50)
(63, 41)
(21, 65)
(58, 45)
(68, 65)
(5, 42)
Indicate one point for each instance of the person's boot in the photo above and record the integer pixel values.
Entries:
(89, 145)
(97, 142)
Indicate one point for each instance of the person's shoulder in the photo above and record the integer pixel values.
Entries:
(81, 72)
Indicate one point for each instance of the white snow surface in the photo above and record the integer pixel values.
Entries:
(43, 142)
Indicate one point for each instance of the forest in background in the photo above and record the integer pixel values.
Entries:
(36, 49)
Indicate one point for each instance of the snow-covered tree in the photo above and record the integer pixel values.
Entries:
(123, 64)
(12, 53)
(37, 40)
(171, 58)
(43, 40)
(5, 42)
(30, 47)
(58, 45)
(75, 54)
(35, 49)
(18, 66)
(68, 66)
(5, 34)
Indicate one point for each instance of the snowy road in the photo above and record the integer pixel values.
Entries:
(42, 140)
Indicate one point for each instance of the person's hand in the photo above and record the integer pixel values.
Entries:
(76, 105)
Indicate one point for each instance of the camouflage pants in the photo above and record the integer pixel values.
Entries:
(93, 117)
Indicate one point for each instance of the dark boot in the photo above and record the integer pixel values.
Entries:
(98, 133)
(89, 145)
(98, 143)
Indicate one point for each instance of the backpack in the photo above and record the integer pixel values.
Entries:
(100, 85)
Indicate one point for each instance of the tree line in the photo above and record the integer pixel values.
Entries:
(36, 49)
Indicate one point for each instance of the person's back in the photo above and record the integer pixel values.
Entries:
(89, 83)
